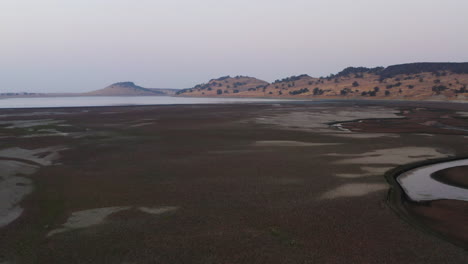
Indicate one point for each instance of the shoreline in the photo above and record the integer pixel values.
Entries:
(397, 198)
(270, 100)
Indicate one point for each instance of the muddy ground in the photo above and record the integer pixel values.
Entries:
(245, 183)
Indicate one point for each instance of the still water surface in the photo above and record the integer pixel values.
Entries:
(420, 186)
(84, 101)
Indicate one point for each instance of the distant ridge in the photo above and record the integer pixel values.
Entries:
(432, 67)
(412, 81)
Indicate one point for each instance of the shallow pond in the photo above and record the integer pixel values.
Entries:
(420, 186)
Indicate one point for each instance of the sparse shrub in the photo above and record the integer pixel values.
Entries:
(318, 91)
(345, 91)
(439, 88)
(300, 91)
(355, 84)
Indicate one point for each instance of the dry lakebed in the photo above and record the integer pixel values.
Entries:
(283, 182)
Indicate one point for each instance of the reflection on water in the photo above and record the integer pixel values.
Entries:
(420, 186)
(84, 101)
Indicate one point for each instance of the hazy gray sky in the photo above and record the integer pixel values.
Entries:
(73, 46)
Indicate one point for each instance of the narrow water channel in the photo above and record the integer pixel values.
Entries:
(420, 186)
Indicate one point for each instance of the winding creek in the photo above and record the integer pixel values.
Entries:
(420, 186)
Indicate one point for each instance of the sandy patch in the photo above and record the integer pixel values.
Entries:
(339, 126)
(319, 121)
(110, 113)
(463, 114)
(86, 218)
(142, 124)
(158, 210)
(92, 217)
(364, 135)
(42, 156)
(47, 133)
(235, 151)
(286, 181)
(354, 190)
(287, 143)
(34, 114)
(391, 156)
(13, 188)
(30, 123)
(424, 135)
(368, 171)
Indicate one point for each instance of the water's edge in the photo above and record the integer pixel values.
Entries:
(396, 197)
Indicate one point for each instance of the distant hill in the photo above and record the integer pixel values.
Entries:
(129, 89)
(414, 81)
(226, 85)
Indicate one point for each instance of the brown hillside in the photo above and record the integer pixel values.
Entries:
(418, 81)
(226, 86)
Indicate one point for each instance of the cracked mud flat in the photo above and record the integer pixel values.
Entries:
(242, 191)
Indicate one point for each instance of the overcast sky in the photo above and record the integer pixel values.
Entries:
(73, 46)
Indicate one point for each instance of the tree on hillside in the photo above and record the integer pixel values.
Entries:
(219, 91)
(439, 88)
(300, 91)
(355, 84)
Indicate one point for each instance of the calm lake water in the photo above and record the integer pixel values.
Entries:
(420, 186)
(83, 101)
